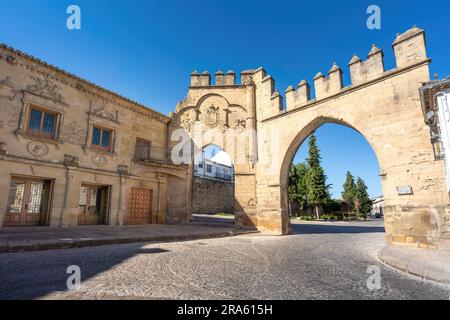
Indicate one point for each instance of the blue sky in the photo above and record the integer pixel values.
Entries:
(146, 49)
(343, 149)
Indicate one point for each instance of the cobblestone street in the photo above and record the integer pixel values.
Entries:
(319, 261)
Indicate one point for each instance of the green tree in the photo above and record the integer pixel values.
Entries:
(303, 170)
(298, 185)
(362, 198)
(317, 190)
(293, 190)
(314, 158)
(349, 193)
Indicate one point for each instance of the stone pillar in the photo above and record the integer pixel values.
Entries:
(245, 200)
(70, 211)
(4, 192)
(251, 121)
(120, 207)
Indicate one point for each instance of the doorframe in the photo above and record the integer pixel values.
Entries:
(108, 204)
(46, 221)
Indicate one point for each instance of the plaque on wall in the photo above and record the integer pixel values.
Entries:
(404, 190)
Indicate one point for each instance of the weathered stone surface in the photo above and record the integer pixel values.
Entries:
(250, 122)
(213, 196)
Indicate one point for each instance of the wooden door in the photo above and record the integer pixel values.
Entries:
(28, 202)
(139, 207)
(93, 205)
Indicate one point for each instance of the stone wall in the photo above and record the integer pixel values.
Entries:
(213, 196)
(68, 157)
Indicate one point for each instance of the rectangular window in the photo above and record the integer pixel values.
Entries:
(143, 149)
(208, 168)
(42, 123)
(101, 138)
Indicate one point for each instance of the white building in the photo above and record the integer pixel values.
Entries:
(436, 108)
(214, 163)
(378, 206)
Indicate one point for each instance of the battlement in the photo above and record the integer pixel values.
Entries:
(221, 78)
(409, 49)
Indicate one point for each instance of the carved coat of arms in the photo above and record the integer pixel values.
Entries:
(212, 116)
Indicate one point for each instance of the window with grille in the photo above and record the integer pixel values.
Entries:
(16, 196)
(143, 149)
(101, 138)
(42, 123)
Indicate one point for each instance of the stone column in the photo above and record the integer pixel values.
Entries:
(69, 215)
(4, 192)
(251, 121)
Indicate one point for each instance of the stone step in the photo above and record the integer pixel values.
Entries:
(445, 236)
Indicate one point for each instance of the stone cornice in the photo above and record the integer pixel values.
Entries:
(75, 81)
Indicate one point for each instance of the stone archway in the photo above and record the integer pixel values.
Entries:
(384, 106)
(292, 149)
(223, 116)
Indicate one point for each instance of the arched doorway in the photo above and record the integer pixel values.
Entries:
(345, 184)
(300, 140)
(213, 186)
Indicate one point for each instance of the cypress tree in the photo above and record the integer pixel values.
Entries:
(364, 202)
(349, 194)
(317, 194)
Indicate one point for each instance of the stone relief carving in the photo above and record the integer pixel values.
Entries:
(7, 90)
(3, 148)
(237, 118)
(102, 111)
(45, 88)
(99, 160)
(37, 148)
(240, 125)
(11, 120)
(188, 119)
(73, 133)
(186, 122)
(211, 117)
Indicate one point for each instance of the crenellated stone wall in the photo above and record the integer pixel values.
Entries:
(384, 106)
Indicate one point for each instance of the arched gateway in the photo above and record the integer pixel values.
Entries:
(249, 121)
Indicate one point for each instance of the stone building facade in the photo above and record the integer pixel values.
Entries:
(88, 146)
(73, 153)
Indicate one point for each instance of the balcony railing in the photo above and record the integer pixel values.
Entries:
(223, 176)
(149, 153)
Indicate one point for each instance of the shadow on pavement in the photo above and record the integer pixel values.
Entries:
(334, 229)
(32, 275)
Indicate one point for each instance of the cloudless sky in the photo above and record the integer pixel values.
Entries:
(146, 49)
